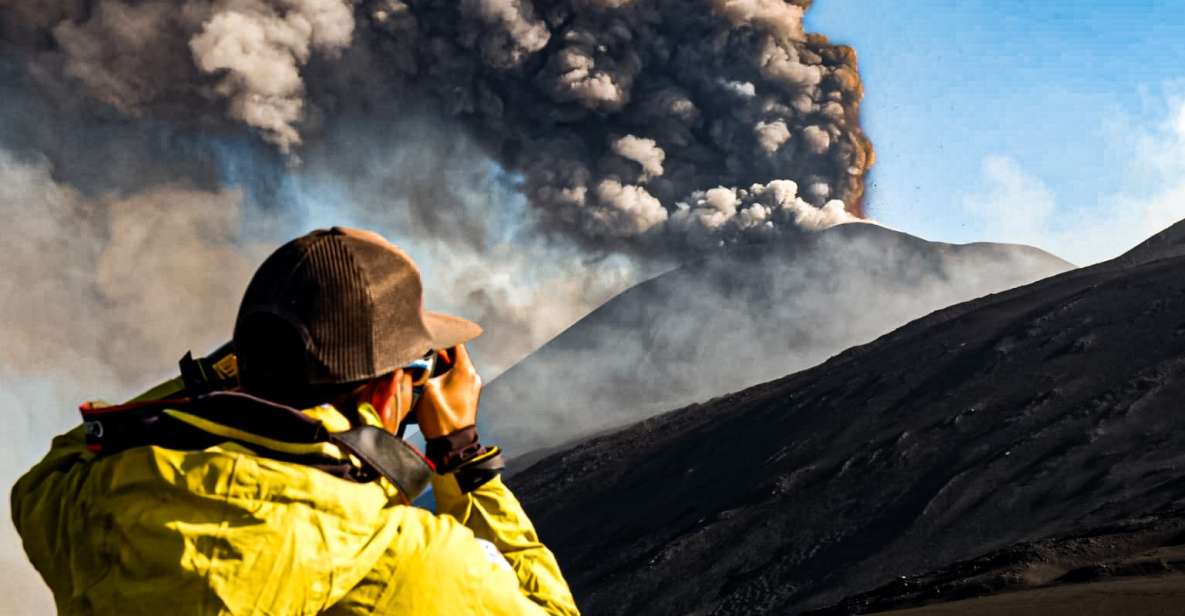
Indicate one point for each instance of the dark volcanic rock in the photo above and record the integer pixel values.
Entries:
(1021, 415)
(738, 319)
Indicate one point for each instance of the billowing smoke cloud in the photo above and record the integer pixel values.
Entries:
(619, 117)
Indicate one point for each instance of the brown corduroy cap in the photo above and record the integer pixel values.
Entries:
(354, 300)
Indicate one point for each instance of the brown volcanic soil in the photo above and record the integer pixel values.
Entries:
(1135, 567)
(1142, 596)
(737, 319)
(1021, 415)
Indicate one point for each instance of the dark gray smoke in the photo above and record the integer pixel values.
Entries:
(651, 124)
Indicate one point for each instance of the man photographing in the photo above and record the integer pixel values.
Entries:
(291, 496)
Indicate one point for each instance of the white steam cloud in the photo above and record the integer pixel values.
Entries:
(752, 211)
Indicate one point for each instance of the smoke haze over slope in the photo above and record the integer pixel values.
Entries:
(737, 319)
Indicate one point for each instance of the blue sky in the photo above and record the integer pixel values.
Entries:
(973, 103)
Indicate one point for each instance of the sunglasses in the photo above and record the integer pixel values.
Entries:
(420, 371)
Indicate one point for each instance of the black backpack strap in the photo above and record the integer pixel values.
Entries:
(117, 428)
(390, 456)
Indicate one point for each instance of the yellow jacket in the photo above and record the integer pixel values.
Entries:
(225, 531)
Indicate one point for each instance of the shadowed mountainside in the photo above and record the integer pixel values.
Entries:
(737, 319)
(1021, 415)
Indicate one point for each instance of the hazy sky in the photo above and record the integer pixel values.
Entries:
(1055, 123)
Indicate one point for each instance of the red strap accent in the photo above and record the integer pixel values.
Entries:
(88, 408)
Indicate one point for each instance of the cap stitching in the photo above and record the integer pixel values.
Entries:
(365, 276)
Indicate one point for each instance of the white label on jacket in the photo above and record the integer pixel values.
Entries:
(494, 555)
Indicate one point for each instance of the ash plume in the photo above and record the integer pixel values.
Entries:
(628, 123)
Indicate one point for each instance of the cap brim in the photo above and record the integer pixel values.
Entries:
(449, 331)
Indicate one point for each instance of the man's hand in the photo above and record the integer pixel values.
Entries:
(449, 401)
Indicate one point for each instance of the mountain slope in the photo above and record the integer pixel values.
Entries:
(737, 319)
(1133, 568)
(1016, 416)
(1166, 244)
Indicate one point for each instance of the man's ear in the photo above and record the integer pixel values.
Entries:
(390, 396)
